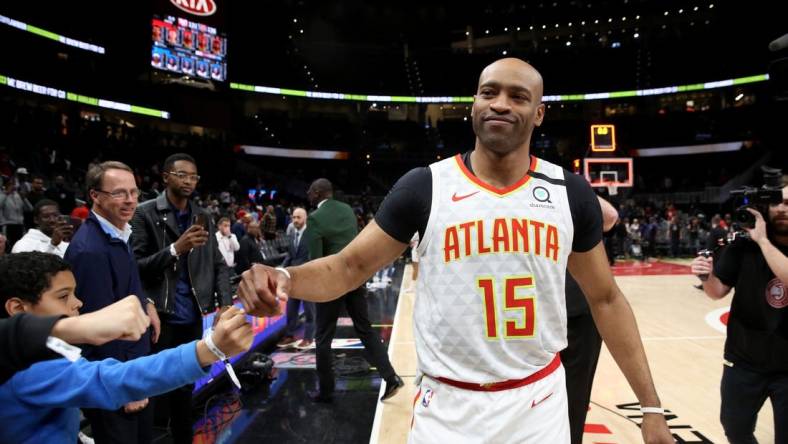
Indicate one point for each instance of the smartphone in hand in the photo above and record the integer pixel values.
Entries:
(201, 220)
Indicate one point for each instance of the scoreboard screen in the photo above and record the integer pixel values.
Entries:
(182, 46)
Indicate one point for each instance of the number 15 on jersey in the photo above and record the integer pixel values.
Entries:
(518, 299)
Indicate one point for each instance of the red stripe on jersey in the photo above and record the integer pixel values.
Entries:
(488, 187)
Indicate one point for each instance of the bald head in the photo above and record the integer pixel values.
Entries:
(299, 218)
(319, 190)
(515, 70)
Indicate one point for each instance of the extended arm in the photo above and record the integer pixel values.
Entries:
(616, 323)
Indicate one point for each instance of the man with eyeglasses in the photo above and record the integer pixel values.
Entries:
(106, 272)
(182, 270)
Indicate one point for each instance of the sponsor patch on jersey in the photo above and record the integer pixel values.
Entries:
(542, 195)
(775, 293)
(425, 400)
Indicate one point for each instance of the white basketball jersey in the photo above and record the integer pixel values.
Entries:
(490, 304)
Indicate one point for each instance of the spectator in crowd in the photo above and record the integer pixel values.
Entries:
(106, 272)
(249, 253)
(52, 234)
(23, 181)
(12, 212)
(718, 233)
(674, 228)
(81, 211)
(182, 270)
(36, 193)
(41, 404)
(60, 193)
(228, 242)
(268, 224)
(297, 254)
(239, 227)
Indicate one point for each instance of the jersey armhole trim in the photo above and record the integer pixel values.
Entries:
(425, 240)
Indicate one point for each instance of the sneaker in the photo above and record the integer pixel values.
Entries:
(286, 341)
(305, 344)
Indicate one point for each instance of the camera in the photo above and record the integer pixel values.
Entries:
(757, 198)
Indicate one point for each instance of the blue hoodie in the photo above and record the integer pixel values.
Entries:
(41, 404)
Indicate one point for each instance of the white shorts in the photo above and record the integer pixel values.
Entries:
(535, 413)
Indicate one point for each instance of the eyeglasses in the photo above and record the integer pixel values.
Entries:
(183, 176)
(121, 194)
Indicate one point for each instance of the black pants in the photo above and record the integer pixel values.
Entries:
(327, 314)
(176, 406)
(743, 393)
(579, 359)
(119, 427)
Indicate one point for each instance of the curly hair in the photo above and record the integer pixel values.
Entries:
(27, 275)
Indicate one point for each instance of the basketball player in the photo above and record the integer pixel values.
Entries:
(498, 229)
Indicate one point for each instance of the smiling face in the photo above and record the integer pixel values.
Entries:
(117, 198)
(507, 106)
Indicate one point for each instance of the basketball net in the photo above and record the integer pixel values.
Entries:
(612, 190)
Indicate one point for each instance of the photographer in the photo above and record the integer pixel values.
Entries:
(756, 349)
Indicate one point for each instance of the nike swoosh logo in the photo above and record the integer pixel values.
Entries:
(534, 403)
(456, 198)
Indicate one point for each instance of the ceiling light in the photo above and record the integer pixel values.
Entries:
(486, 31)
(636, 35)
(667, 12)
(506, 29)
(295, 20)
(623, 19)
(681, 11)
(568, 43)
(711, 5)
(637, 17)
(503, 52)
(467, 33)
(518, 28)
(596, 21)
(570, 24)
(695, 8)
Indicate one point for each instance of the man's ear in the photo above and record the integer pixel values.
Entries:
(14, 306)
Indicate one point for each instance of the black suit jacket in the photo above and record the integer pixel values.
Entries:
(296, 256)
(247, 255)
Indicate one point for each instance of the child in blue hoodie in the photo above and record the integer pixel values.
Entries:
(41, 404)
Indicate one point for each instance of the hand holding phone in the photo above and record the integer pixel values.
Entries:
(195, 236)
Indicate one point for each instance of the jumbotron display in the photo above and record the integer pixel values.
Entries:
(181, 46)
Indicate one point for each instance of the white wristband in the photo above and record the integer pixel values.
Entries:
(173, 252)
(657, 410)
(283, 270)
(208, 338)
(212, 345)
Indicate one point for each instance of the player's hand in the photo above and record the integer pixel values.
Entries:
(135, 406)
(122, 320)
(758, 233)
(195, 236)
(702, 266)
(261, 289)
(655, 429)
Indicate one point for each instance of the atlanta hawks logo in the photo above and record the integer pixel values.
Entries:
(776, 295)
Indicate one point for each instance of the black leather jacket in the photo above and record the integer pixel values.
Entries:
(154, 230)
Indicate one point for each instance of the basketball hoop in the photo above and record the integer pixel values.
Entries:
(612, 189)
